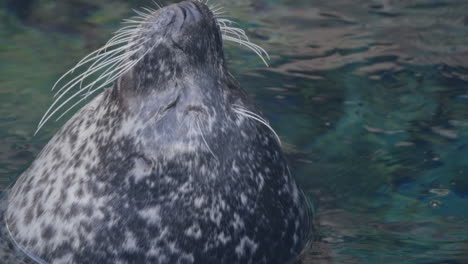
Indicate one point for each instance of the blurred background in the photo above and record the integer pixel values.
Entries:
(369, 97)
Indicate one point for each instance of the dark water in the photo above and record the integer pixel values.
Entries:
(369, 97)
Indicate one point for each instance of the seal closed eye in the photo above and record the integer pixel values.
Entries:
(172, 164)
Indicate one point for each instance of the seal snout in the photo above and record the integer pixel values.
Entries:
(191, 12)
(188, 13)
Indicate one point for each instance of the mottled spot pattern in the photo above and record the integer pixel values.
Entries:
(160, 169)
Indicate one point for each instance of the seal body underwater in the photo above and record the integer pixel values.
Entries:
(172, 164)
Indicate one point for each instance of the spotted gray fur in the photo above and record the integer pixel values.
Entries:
(160, 168)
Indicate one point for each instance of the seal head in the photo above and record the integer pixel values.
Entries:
(172, 164)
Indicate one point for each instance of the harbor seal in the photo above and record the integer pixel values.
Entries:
(172, 164)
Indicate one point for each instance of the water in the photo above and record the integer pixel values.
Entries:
(369, 97)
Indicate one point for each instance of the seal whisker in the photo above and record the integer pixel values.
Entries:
(237, 30)
(124, 28)
(157, 4)
(92, 56)
(104, 60)
(102, 63)
(121, 42)
(87, 73)
(142, 14)
(122, 65)
(77, 103)
(79, 64)
(22, 248)
(128, 28)
(134, 21)
(217, 14)
(215, 10)
(249, 114)
(130, 65)
(149, 10)
(121, 70)
(118, 65)
(47, 116)
(228, 32)
(146, 12)
(214, 6)
(254, 47)
(204, 140)
(234, 31)
(118, 39)
(226, 21)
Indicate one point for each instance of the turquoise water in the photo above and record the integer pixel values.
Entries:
(369, 97)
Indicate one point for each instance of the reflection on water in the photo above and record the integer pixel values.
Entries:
(369, 96)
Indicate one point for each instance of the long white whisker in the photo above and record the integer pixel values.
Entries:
(104, 61)
(226, 21)
(87, 73)
(141, 14)
(149, 10)
(237, 30)
(109, 73)
(136, 20)
(78, 102)
(118, 41)
(111, 70)
(128, 66)
(88, 58)
(125, 28)
(218, 14)
(157, 4)
(72, 69)
(107, 59)
(238, 35)
(254, 116)
(112, 56)
(48, 116)
(125, 68)
(227, 31)
(251, 46)
(204, 140)
(121, 36)
(215, 10)
(114, 64)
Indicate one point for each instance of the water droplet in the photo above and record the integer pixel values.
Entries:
(435, 204)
